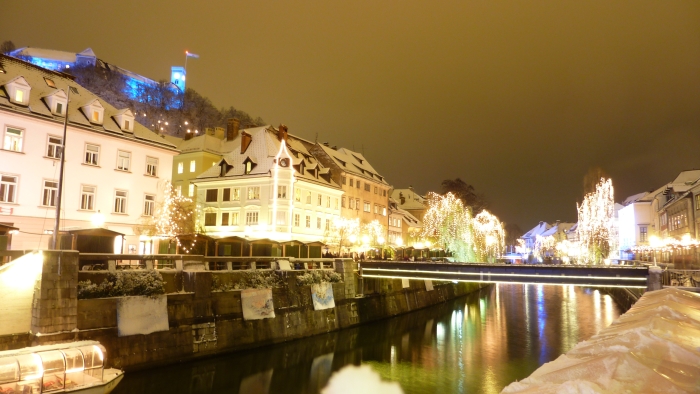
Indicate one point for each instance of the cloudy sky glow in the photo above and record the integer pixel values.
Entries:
(518, 98)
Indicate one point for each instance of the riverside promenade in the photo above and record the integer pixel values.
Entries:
(653, 348)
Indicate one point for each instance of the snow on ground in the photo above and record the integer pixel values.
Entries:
(653, 348)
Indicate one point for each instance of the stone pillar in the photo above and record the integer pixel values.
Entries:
(654, 279)
(346, 268)
(55, 305)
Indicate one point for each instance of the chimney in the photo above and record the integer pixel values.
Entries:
(402, 198)
(188, 136)
(219, 132)
(246, 139)
(326, 144)
(232, 126)
(282, 133)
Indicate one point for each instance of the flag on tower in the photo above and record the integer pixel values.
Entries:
(191, 55)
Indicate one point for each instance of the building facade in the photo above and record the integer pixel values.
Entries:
(114, 167)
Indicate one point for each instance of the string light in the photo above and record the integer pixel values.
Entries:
(175, 217)
(596, 231)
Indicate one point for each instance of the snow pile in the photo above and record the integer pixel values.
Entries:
(362, 379)
(653, 348)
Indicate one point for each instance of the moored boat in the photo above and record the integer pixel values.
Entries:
(74, 367)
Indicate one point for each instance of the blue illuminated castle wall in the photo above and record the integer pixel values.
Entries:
(63, 61)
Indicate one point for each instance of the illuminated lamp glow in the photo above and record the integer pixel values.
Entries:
(97, 219)
(510, 275)
(399, 241)
(353, 238)
(40, 368)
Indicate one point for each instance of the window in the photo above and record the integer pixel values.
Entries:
(376, 190)
(149, 205)
(367, 187)
(120, 201)
(87, 198)
(308, 197)
(178, 190)
(335, 203)
(328, 224)
(383, 211)
(254, 193)
(92, 154)
(50, 82)
(235, 194)
(127, 125)
(123, 160)
(320, 199)
(308, 221)
(59, 108)
(367, 207)
(342, 202)
(180, 168)
(357, 204)
(384, 193)
(697, 202)
(151, 166)
(49, 194)
(328, 201)
(642, 234)
(96, 116)
(227, 194)
(297, 194)
(281, 218)
(193, 165)
(357, 183)
(248, 167)
(234, 219)
(13, 139)
(210, 219)
(281, 191)
(8, 188)
(224, 218)
(212, 195)
(351, 182)
(376, 208)
(251, 218)
(19, 95)
(190, 190)
(296, 220)
(54, 147)
(318, 223)
(343, 180)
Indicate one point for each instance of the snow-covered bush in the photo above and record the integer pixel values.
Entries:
(249, 280)
(318, 276)
(124, 283)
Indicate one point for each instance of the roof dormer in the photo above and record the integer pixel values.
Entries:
(125, 120)
(94, 111)
(57, 102)
(18, 90)
(248, 164)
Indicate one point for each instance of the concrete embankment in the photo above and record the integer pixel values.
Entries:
(652, 348)
(194, 320)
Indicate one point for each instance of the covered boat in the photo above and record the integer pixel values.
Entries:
(75, 367)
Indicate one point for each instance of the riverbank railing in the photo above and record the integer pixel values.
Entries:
(113, 262)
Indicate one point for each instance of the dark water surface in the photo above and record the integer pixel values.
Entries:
(475, 344)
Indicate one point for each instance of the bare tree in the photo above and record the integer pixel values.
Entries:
(7, 46)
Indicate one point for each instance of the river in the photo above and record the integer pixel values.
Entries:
(476, 344)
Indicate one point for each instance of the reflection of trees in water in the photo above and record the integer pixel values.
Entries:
(480, 342)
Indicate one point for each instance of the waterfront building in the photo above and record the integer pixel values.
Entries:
(410, 201)
(63, 61)
(114, 166)
(404, 228)
(635, 221)
(530, 237)
(268, 186)
(365, 191)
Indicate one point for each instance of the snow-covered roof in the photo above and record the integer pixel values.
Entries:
(35, 77)
(263, 148)
(411, 199)
(353, 162)
(537, 230)
(52, 54)
(556, 228)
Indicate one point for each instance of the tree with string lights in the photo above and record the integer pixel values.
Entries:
(596, 226)
(448, 223)
(341, 231)
(489, 237)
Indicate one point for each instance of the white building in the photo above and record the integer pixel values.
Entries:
(269, 186)
(114, 167)
(634, 220)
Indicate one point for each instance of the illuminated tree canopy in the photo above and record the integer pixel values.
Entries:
(596, 230)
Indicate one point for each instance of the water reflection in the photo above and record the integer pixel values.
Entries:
(479, 343)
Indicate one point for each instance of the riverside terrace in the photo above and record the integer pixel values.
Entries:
(644, 277)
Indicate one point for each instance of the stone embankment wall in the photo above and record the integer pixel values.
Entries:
(203, 322)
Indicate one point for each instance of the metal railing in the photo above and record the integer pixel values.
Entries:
(114, 262)
(681, 278)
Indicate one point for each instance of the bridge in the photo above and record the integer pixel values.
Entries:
(595, 276)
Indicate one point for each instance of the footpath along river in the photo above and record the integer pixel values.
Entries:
(476, 344)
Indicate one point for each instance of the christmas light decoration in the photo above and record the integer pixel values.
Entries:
(449, 224)
(489, 236)
(174, 217)
(596, 230)
(341, 231)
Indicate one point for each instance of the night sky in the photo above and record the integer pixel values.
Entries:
(518, 98)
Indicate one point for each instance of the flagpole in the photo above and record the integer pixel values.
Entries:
(54, 242)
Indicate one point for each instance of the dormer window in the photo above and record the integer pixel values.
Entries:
(94, 112)
(249, 164)
(18, 91)
(125, 119)
(57, 102)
